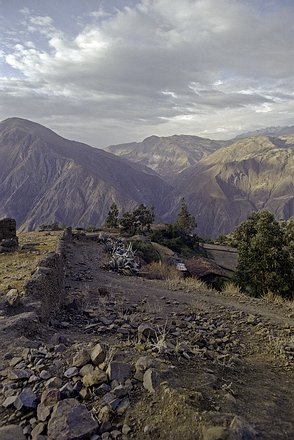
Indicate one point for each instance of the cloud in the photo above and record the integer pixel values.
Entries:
(159, 66)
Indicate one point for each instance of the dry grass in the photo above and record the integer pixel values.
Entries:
(271, 297)
(16, 268)
(162, 271)
(279, 344)
(188, 284)
(231, 289)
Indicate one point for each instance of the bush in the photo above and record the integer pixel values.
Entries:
(146, 251)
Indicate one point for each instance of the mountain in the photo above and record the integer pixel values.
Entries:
(269, 131)
(46, 178)
(167, 155)
(225, 187)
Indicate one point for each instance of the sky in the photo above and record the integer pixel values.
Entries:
(111, 71)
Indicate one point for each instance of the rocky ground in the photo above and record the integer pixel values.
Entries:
(130, 358)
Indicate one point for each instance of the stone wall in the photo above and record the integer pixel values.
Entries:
(8, 238)
(45, 291)
(7, 228)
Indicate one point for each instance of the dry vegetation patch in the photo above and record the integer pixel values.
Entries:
(161, 271)
(17, 267)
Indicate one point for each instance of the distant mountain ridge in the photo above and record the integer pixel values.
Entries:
(268, 131)
(46, 178)
(169, 155)
(225, 187)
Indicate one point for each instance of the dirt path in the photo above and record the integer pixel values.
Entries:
(249, 376)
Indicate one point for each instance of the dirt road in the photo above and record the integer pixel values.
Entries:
(235, 346)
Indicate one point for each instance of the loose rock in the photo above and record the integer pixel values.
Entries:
(119, 371)
(98, 354)
(81, 358)
(70, 420)
(27, 399)
(151, 380)
(11, 432)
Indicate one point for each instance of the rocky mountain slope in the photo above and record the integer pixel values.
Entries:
(45, 178)
(251, 174)
(167, 155)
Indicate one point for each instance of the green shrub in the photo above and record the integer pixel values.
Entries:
(146, 251)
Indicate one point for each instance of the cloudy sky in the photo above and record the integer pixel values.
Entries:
(112, 71)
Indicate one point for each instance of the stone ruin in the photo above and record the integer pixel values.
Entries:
(8, 237)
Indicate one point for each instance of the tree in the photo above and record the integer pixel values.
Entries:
(264, 262)
(112, 217)
(288, 229)
(185, 221)
(137, 221)
(127, 223)
(143, 217)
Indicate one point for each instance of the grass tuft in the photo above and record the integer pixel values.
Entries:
(162, 271)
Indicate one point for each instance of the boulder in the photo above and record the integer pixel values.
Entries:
(71, 421)
(26, 400)
(119, 371)
(97, 377)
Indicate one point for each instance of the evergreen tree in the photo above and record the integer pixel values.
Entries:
(264, 262)
(185, 221)
(127, 223)
(143, 218)
(112, 217)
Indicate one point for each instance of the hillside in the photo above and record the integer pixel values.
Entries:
(222, 189)
(45, 178)
(167, 155)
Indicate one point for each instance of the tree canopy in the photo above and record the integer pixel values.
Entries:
(185, 221)
(139, 220)
(111, 220)
(264, 259)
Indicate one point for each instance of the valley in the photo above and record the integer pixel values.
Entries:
(45, 178)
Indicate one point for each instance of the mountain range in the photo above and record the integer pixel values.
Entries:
(167, 156)
(46, 178)
(249, 175)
